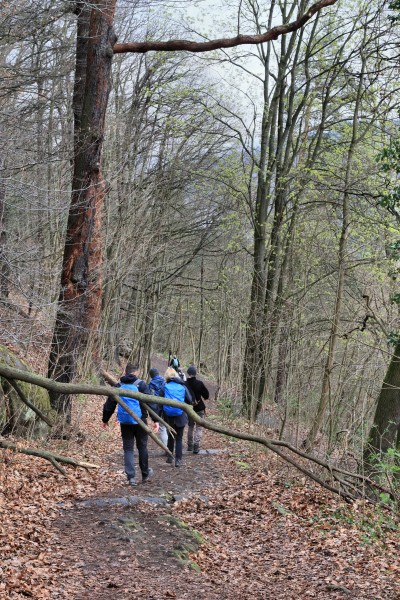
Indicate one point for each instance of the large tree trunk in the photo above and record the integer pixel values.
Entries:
(79, 302)
(252, 358)
(385, 430)
(4, 266)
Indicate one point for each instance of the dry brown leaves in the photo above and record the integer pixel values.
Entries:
(267, 533)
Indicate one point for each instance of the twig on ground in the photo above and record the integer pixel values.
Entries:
(50, 456)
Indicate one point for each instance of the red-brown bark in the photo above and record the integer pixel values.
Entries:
(4, 266)
(79, 304)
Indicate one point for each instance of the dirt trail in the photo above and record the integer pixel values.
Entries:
(267, 535)
(127, 544)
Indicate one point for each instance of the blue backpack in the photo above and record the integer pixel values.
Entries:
(156, 384)
(174, 391)
(133, 404)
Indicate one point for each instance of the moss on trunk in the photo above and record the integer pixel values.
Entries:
(15, 416)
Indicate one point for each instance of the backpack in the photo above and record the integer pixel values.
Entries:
(133, 404)
(156, 384)
(175, 363)
(173, 391)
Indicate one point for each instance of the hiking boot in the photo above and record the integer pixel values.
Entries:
(196, 449)
(190, 447)
(169, 460)
(149, 475)
(132, 481)
(178, 462)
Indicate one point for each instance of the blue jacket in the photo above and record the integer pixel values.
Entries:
(174, 389)
(110, 405)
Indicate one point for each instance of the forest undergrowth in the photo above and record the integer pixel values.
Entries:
(262, 531)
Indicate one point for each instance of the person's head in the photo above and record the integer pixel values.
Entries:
(153, 373)
(191, 371)
(170, 373)
(131, 369)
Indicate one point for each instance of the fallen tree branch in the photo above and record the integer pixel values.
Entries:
(239, 40)
(50, 456)
(157, 417)
(109, 377)
(342, 488)
(322, 463)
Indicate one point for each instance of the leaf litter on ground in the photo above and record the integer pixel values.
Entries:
(265, 532)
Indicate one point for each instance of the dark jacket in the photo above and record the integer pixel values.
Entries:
(110, 404)
(182, 419)
(155, 384)
(171, 362)
(199, 392)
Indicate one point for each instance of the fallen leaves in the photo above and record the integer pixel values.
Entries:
(261, 538)
(290, 537)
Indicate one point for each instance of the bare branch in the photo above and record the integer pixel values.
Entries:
(239, 40)
(53, 458)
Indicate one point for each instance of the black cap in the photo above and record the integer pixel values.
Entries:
(153, 372)
(192, 371)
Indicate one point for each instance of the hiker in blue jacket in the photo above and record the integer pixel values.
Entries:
(130, 430)
(175, 389)
(155, 384)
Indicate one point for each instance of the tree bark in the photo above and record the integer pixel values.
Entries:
(385, 430)
(79, 303)
(4, 266)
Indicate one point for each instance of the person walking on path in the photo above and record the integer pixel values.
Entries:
(130, 429)
(199, 393)
(155, 384)
(175, 389)
(174, 362)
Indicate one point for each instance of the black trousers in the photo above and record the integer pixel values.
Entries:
(177, 442)
(129, 434)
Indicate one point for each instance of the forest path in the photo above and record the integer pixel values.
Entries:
(128, 544)
(255, 537)
(257, 531)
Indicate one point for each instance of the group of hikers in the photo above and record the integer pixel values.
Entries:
(172, 386)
